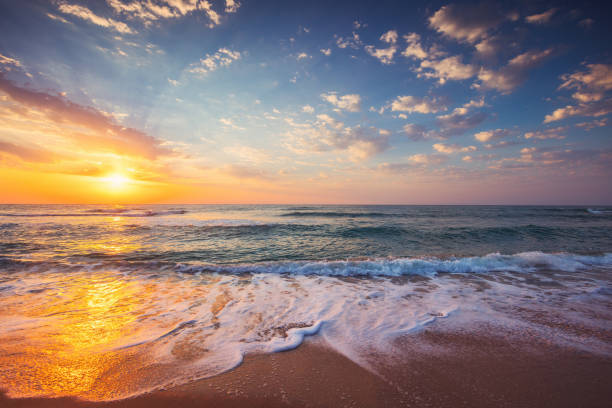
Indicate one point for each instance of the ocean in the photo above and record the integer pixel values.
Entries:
(106, 302)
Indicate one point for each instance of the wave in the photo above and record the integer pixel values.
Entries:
(521, 262)
(392, 267)
(99, 213)
(199, 326)
(598, 212)
(336, 214)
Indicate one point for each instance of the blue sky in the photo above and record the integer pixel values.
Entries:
(269, 101)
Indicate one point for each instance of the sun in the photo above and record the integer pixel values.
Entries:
(116, 181)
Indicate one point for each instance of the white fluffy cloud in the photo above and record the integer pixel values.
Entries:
(594, 109)
(448, 68)
(231, 6)
(414, 49)
(452, 148)
(412, 104)
(389, 37)
(426, 159)
(590, 89)
(384, 55)
(350, 102)
(466, 22)
(591, 84)
(490, 135)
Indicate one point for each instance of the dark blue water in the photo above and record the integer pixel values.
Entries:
(237, 234)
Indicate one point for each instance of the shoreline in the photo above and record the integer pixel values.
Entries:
(434, 367)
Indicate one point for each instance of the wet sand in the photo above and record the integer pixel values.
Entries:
(432, 368)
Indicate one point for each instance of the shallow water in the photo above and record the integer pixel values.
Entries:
(107, 302)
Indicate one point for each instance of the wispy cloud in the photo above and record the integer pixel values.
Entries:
(551, 133)
(222, 58)
(541, 18)
(86, 14)
(510, 76)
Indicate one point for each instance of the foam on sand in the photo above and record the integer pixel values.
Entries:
(171, 328)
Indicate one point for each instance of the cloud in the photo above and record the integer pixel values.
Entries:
(231, 6)
(222, 58)
(148, 11)
(302, 55)
(558, 158)
(349, 102)
(414, 49)
(229, 123)
(458, 122)
(415, 132)
(426, 159)
(28, 154)
(58, 18)
(307, 109)
(412, 104)
(4, 60)
(328, 134)
(590, 85)
(247, 153)
(349, 42)
(86, 14)
(489, 46)
(87, 128)
(384, 55)
(452, 148)
(466, 22)
(389, 37)
(507, 78)
(326, 51)
(541, 18)
(552, 133)
(490, 135)
(594, 109)
(448, 68)
(593, 124)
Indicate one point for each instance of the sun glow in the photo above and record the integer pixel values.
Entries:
(116, 181)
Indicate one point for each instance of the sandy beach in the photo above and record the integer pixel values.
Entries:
(434, 368)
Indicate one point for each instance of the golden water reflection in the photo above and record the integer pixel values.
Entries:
(64, 342)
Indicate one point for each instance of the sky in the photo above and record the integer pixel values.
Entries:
(346, 102)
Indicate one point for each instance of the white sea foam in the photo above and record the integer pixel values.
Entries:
(598, 212)
(187, 326)
(522, 262)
